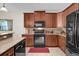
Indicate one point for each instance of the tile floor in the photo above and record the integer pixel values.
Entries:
(55, 51)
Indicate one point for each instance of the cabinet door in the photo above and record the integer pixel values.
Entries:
(54, 40)
(51, 20)
(51, 41)
(28, 20)
(39, 15)
(54, 20)
(62, 42)
(48, 19)
(48, 41)
(30, 41)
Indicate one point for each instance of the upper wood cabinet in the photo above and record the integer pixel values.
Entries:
(51, 20)
(48, 20)
(39, 15)
(28, 20)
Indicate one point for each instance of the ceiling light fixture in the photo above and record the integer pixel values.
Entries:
(3, 8)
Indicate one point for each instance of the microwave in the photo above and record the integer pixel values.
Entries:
(39, 24)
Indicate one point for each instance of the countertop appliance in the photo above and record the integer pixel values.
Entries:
(39, 36)
(20, 49)
(73, 32)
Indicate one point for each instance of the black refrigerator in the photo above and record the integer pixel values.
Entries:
(72, 29)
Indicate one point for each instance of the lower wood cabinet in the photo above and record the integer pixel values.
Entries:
(62, 43)
(29, 40)
(9, 52)
(51, 41)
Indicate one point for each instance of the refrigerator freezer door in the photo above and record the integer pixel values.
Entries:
(77, 31)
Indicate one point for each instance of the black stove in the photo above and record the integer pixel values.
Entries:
(39, 36)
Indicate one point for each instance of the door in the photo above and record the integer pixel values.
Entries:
(71, 29)
(72, 33)
(77, 31)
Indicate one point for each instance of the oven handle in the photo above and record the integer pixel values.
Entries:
(17, 47)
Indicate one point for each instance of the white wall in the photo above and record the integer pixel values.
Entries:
(18, 21)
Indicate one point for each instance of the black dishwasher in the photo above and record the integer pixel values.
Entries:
(19, 48)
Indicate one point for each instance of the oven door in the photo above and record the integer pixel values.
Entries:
(39, 40)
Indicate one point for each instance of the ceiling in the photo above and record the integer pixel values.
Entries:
(31, 7)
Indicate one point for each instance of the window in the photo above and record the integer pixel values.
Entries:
(3, 25)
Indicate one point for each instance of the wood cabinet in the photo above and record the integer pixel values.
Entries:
(28, 20)
(54, 40)
(48, 20)
(54, 20)
(9, 52)
(62, 43)
(51, 41)
(47, 40)
(39, 15)
(29, 40)
(51, 20)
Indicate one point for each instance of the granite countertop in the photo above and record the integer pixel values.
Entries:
(48, 31)
(64, 35)
(10, 42)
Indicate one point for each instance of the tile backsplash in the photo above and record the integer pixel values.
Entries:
(47, 30)
(29, 30)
